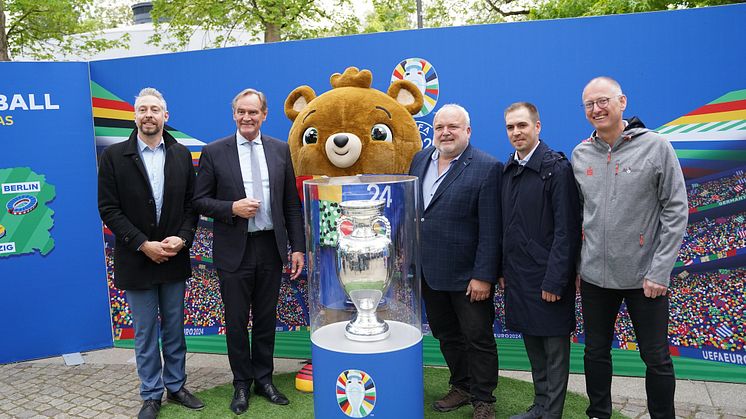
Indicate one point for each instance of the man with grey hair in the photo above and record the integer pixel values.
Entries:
(246, 183)
(459, 257)
(634, 216)
(153, 222)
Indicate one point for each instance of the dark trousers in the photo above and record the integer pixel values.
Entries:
(467, 341)
(253, 287)
(550, 370)
(650, 320)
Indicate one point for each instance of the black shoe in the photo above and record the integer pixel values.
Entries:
(271, 393)
(240, 401)
(149, 409)
(186, 399)
(533, 412)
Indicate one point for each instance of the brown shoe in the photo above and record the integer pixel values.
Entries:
(452, 401)
(484, 410)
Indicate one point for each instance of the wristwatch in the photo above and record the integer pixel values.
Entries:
(183, 241)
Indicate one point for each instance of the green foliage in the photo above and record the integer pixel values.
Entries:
(177, 20)
(42, 29)
(391, 15)
(555, 9)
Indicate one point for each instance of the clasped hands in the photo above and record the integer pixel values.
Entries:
(159, 252)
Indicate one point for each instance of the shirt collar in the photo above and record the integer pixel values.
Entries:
(142, 146)
(525, 160)
(242, 140)
(436, 155)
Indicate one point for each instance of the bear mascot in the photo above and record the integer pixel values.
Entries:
(352, 129)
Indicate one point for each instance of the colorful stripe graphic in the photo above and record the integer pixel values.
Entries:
(711, 138)
(114, 120)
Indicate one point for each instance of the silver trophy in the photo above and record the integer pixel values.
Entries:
(365, 265)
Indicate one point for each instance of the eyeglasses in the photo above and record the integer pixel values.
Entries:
(602, 103)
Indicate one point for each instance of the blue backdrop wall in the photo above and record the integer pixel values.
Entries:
(52, 297)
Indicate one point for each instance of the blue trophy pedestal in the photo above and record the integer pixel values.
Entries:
(380, 379)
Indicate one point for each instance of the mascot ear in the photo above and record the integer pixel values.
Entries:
(297, 100)
(407, 94)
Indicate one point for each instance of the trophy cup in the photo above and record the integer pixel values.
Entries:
(365, 266)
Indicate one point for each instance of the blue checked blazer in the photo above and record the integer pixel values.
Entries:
(459, 232)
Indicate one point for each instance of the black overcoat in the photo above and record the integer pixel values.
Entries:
(127, 207)
(541, 242)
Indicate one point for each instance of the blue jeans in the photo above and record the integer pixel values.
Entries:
(168, 299)
(650, 320)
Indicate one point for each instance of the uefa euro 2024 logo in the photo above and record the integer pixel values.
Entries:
(356, 393)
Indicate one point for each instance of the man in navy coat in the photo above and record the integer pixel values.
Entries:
(541, 234)
(246, 183)
(459, 257)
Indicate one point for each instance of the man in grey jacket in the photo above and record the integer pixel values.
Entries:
(634, 216)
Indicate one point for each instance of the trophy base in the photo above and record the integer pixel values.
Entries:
(367, 334)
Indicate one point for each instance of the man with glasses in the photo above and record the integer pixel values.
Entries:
(634, 216)
(459, 256)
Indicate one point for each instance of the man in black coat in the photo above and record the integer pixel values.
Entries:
(246, 183)
(145, 187)
(541, 233)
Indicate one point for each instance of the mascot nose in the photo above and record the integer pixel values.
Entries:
(340, 140)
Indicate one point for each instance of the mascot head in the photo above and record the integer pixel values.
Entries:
(353, 128)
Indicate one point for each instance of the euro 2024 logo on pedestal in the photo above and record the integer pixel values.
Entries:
(356, 393)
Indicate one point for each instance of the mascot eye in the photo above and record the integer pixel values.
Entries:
(310, 136)
(381, 132)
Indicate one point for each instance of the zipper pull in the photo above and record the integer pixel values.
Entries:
(616, 171)
(642, 240)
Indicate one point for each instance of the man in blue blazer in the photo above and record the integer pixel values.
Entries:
(459, 257)
(246, 183)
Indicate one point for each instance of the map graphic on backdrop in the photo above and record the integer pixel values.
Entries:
(25, 219)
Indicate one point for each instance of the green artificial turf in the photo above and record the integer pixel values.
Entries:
(513, 397)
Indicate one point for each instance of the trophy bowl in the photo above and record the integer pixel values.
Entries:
(365, 265)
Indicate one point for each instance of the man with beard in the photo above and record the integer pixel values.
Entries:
(145, 187)
(460, 253)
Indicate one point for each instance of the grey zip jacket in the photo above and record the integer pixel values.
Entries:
(635, 208)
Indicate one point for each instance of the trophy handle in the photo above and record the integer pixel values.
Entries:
(340, 220)
(385, 223)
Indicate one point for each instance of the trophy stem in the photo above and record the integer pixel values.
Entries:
(366, 326)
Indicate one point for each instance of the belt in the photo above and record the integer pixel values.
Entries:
(259, 233)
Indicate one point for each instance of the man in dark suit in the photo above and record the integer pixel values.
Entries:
(459, 256)
(541, 230)
(246, 183)
(153, 222)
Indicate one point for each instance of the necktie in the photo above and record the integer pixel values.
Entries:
(256, 185)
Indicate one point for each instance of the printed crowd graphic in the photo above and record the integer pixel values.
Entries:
(26, 219)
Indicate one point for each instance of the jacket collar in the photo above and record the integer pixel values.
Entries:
(534, 163)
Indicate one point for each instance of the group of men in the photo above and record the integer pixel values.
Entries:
(538, 226)
(150, 199)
